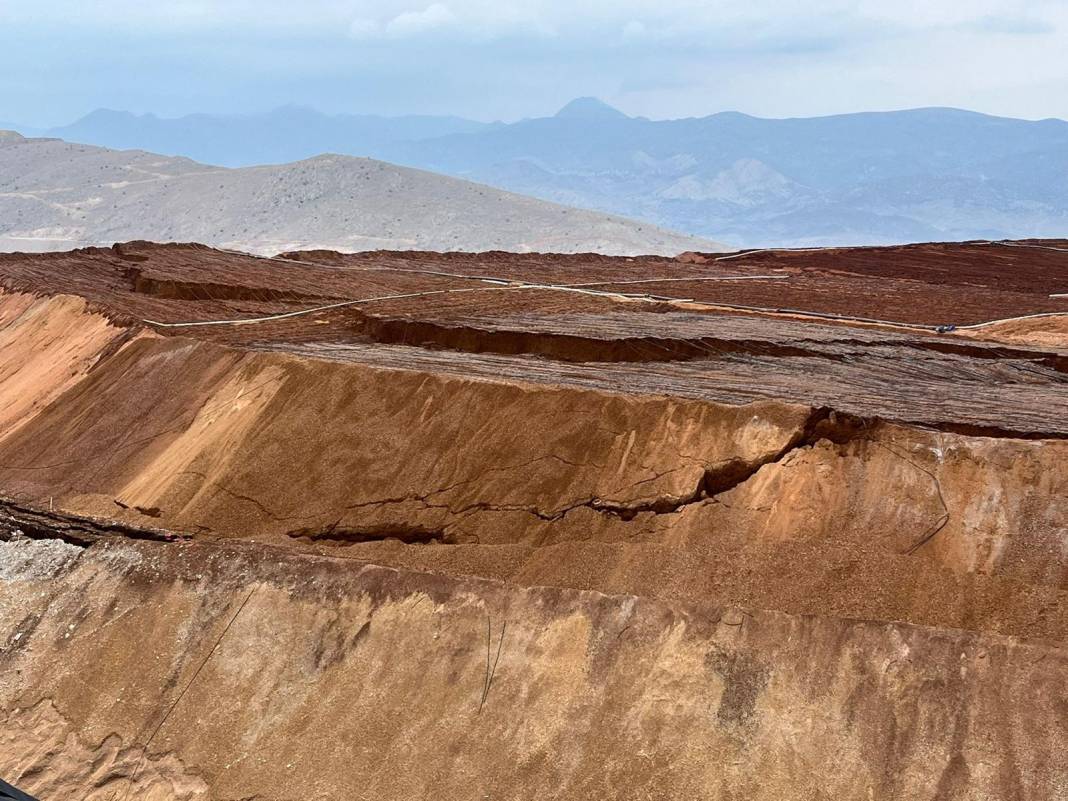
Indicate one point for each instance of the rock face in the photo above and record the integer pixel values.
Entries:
(548, 540)
(56, 195)
(321, 678)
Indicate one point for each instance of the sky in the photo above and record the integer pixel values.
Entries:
(491, 59)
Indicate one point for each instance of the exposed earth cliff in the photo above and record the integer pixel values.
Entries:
(398, 525)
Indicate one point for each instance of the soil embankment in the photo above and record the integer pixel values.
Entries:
(509, 551)
(282, 676)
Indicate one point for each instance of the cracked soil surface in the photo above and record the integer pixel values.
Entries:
(451, 525)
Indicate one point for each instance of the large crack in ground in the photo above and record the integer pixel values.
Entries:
(572, 348)
(337, 534)
(821, 424)
(465, 337)
(175, 289)
(75, 529)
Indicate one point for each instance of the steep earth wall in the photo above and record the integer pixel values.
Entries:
(554, 485)
(290, 677)
(398, 583)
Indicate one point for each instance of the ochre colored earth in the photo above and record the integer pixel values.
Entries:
(500, 526)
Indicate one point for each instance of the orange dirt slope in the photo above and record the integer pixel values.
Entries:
(396, 524)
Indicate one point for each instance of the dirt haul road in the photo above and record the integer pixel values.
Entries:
(509, 537)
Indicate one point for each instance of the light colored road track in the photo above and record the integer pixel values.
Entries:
(300, 312)
(498, 282)
(778, 276)
(786, 312)
(1010, 320)
(443, 274)
(506, 283)
(744, 253)
(1003, 243)
(499, 285)
(985, 242)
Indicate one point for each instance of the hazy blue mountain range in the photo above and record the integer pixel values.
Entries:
(923, 174)
(290, 133)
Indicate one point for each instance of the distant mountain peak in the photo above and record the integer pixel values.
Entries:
(589, 108)
(111, 113)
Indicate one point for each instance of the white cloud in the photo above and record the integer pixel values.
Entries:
(659, 20)
(662, 58)
(475, 20)
(362, 28)
(414, 23)
(634, 31)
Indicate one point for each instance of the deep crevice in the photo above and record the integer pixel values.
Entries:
(577, 348)
(823, 423)
(563, 347)
(992, 350)
(337, 534)
(38, 523)
(173, 289)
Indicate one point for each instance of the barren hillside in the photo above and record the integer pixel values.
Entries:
(407, 525)
(56, 195)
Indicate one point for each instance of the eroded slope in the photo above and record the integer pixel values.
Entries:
(318, 678)
(668, 517)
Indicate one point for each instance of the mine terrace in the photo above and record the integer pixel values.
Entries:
(672, 507)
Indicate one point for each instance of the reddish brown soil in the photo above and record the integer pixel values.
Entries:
(933, 284)
(671, 515)
(937, 284)
(930, 284)
(454, 324)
